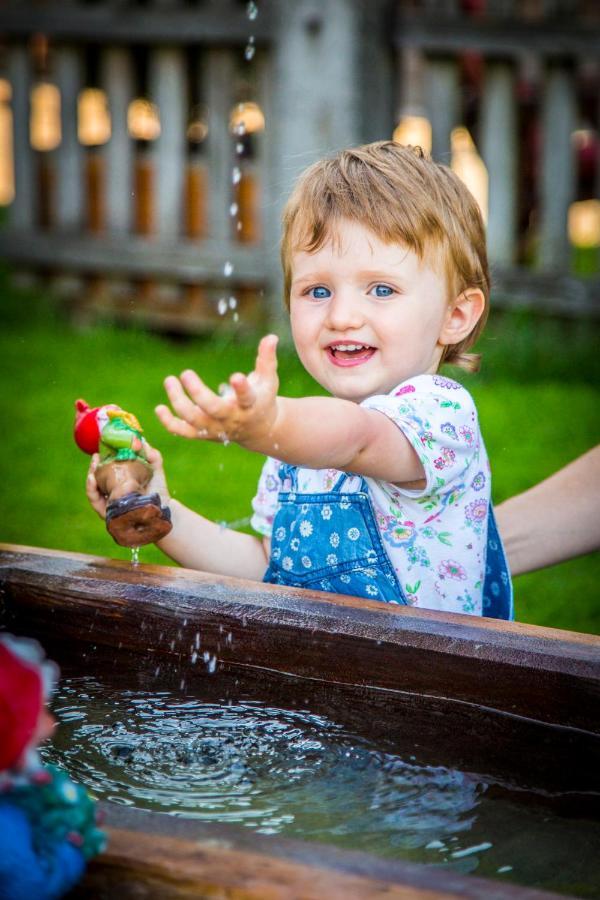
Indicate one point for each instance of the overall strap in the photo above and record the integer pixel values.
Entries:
(288, 471)
(337, 487)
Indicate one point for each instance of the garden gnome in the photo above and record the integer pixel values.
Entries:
(48, 823)
(132, 517)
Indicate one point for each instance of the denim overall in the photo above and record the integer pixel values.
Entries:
(331, 542)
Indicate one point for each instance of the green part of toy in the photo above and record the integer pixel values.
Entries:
(58, 809)
(116, 442)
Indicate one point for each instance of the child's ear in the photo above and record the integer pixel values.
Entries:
(462, 316)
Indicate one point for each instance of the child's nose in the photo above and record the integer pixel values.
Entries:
(345, 311)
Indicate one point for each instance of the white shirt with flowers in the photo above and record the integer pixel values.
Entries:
(435, 537)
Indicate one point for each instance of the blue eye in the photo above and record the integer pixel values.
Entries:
(320, 293)
(382, 290)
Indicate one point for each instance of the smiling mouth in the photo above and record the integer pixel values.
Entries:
(350, 354)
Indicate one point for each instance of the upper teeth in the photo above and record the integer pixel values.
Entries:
(349, 347)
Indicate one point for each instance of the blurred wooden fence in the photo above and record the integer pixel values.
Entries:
(179, 226)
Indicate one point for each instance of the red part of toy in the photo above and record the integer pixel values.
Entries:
(21, 700)
(87, 428)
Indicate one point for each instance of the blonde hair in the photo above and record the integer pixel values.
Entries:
(402, 196)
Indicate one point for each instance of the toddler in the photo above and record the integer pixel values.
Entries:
(381, 490)
(47, 823)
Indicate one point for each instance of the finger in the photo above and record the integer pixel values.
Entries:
(205, 399)
(174, 424)
(96, 499)
(153, 456)
(244, 393)
(185, 408)
(266, 359)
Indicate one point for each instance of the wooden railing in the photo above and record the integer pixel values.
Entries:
(164, 230)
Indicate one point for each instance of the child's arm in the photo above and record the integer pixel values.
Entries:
(194, 542)
(315, 432)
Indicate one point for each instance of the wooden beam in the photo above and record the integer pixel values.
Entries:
(499, 150)
(497, 37)
(185, 261)
(24, 210)
(443, 102)
(168, 89)
(206, 24)
(158, 856)
(469, 652)
(68, 72)
(558, 175)
(117, 79)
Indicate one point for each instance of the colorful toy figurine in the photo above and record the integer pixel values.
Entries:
(132, 517)
(48, 823)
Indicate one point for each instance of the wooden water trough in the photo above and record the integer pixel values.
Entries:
(515, 702)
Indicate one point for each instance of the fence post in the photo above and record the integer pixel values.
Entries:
(219, 73)
(558, 165)
(68, 157)
(117, 80)
(444, 105)
(24, 208)
(499, 151)
(168, 85)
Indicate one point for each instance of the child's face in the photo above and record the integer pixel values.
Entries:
(365, 315)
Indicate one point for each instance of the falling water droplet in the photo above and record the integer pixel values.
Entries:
(251, 10)
(236, 317)
(135, 556)
(233, 209)
(232, 304)
(222, 306)
(239, 148)
(228, 269)
(212, 664)
(236, 174)
(197, 640)
(194, 657)
(182, 685)
(249, 51)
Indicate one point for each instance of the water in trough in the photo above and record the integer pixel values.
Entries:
(222, 754)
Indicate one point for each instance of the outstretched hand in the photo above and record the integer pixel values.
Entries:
(245, 413)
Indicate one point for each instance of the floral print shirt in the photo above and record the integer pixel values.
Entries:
(435, 537)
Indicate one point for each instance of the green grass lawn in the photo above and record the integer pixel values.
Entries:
(537, 398)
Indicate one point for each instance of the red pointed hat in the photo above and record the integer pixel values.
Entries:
(87, 427)
(26, 679)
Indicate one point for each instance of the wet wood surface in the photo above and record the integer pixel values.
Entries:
(154, 856)
(544, 674)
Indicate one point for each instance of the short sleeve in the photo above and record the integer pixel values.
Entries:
(438, 416)
(264, 504)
